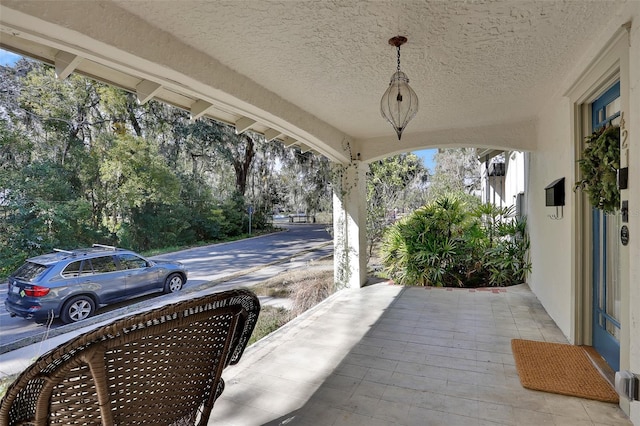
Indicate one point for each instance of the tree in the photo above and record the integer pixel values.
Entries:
(311, 182)
(81, 162)
(15, 149)
(44, 211)
(10, 87)
(135, 174)
(389, 183)
(122, 109)
(63, 116)
(457, 170)
(237, 149)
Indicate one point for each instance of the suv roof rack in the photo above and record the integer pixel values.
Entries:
(64, 251)
(105, 246)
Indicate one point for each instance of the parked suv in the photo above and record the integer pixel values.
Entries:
(72, 284)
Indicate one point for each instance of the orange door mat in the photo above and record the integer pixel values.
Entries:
(559, 368)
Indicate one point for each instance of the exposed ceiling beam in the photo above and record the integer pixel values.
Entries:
(288, 141)
(271, 134)
(244, 124)
(65, 63)
(304, 148)
(199, 108)
(145, 90)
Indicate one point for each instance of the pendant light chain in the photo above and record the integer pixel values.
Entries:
(398, 47)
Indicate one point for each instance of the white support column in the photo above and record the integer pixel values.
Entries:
(350, 224)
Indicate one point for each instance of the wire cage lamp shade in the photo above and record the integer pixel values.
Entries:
(399, 104)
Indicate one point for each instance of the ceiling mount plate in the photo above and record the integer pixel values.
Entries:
(397, 41)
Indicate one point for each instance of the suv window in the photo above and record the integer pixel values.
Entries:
(131, 261)
(30, 271)
(72, 270)
(103, 264)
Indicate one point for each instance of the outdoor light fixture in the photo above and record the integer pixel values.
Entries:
(399, 104)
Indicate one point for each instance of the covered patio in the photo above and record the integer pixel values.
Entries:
(391, 355)
(502, 75)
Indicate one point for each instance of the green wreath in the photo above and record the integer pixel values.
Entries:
(599, 167)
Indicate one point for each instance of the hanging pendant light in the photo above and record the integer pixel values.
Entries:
(399, 104)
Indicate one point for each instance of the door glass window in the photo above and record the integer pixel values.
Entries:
(606, 251)
(612, 290)
(72, 270)
(131, 261)
(612, 109)
(103, 264)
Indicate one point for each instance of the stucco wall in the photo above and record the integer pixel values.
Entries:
(550, 278)
(633, 123)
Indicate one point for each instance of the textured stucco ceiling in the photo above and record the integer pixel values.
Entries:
(471, 63)
(314, 71)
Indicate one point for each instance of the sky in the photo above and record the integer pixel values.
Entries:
(8, 58)
(427, 158)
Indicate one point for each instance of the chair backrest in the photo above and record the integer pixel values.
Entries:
(161, 367)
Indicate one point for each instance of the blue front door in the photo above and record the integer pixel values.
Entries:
(606, 270)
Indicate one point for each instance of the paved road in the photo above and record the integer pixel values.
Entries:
(215, 265)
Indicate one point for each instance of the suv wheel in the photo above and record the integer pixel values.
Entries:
(173, 283)
(77, 309)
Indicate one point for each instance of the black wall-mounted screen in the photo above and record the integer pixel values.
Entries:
(554, 193)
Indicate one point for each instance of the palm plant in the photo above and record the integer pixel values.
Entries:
(424, 247)
(448, 243)
(508, 261)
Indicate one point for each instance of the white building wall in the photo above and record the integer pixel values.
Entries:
(492, 188)
(555, 243)
(495, 191)
(502, 191)
(550, 278)
(633, 125)
(514, 179)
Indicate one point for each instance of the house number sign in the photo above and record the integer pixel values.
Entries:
(624, 235)
(624, 140)
(624, 147)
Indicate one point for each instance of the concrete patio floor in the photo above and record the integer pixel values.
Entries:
(389, 355)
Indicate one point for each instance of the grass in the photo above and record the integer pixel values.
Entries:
(311, 289)
(5, 382)
(171, 249)
(305, 287)
(271, 318)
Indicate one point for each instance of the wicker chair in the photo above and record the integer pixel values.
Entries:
(162, 367)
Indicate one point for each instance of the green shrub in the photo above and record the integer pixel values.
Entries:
(234, 219)
(508, 261)
(456, 243)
